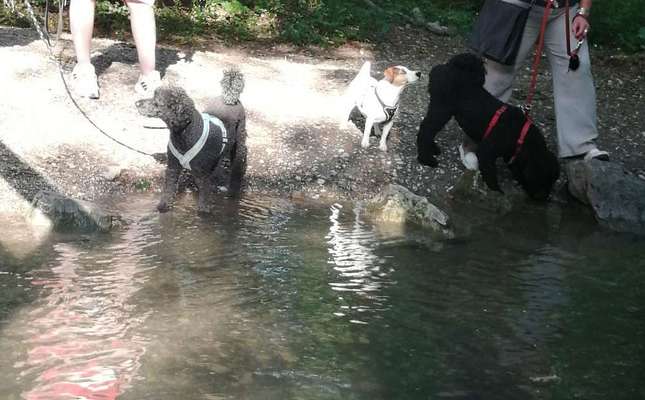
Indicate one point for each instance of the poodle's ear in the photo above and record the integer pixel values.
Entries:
(472, 68)
(181, 98)
(442, 85)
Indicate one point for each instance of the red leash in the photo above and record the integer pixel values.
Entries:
(529, 98)
(538, 56)
(494, 121)
(520, 140)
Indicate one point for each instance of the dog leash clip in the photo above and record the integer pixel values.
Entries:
(526, 109)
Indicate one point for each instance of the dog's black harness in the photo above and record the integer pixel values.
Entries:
(389, 111)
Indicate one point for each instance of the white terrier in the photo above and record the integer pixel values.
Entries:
(378, 101)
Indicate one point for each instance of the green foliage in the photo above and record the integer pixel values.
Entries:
(619, 23)
(12, 18)
(112, 18)
(142, 185)
(331, 22)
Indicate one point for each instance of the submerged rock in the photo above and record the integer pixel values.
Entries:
(471, 190)
(69, 215)
(616, 196)
(396, 204)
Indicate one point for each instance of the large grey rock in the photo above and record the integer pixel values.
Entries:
(69, 215)
(616, 196)
(396, 204)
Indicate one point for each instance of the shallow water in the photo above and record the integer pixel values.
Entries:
(267, 299)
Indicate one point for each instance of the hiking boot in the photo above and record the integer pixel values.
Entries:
(147, 84)
(85, 82)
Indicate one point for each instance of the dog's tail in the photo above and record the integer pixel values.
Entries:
(363, 74)
(352, 93)
(365, 69)
(232, 85)
(360, 81)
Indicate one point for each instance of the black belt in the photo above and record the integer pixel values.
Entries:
(556, 3)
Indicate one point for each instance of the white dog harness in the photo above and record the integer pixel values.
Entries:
(185, 159)
(389, 111)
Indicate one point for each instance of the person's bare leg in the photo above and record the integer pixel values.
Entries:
(81, 19)
(144, 31)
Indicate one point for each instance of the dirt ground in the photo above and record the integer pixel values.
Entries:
(295, 145)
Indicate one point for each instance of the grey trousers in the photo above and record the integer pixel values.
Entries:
(573, 91)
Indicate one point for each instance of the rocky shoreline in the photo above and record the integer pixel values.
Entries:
(295, 146)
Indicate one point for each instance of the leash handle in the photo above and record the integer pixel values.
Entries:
(537, 57)
(574, 60)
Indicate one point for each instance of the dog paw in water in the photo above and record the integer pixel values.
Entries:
(430, 161)
(163, 207)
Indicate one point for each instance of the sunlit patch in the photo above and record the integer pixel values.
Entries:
(360, 270)
(287, 90)
(25, 235)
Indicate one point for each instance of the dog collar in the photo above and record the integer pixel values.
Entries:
(387, 110)
(186, 158)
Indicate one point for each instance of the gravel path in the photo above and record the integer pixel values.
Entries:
(295, 146)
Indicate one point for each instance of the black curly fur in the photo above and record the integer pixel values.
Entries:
(456, 90)
(177, 110)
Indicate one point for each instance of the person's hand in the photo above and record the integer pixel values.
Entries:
(580, 27)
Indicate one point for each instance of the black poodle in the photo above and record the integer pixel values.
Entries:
(223, 143)
(456, 90)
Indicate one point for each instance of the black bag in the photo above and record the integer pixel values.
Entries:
(498, 31)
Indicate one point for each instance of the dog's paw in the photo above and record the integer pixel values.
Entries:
(203, 210)
(435, 149)
(365, 143)
(163, 206)
(382, 147)
(428, 160)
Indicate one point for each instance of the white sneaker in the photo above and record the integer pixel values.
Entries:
(147, 84)
(85, 81)
(596, 154)
(468, 158)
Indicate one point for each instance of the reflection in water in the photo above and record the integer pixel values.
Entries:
(266, 300)
(82, 342)
(352, 248)
(540, 277)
